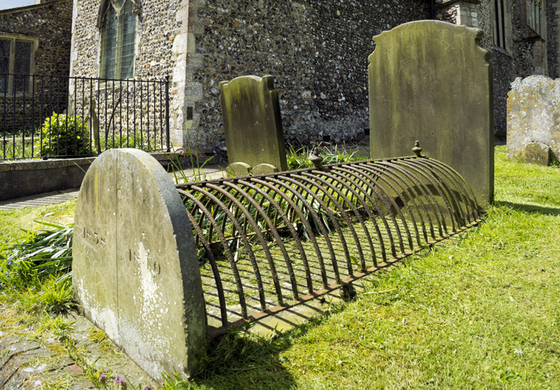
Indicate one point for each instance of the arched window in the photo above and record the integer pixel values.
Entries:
(118, 35)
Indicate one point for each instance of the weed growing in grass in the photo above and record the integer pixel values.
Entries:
(179, 174)
(299, 158)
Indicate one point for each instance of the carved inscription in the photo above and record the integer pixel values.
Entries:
(93, 238)
(142, 258)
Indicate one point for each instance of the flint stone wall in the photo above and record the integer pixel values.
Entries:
(50, 23)
(316, 51)
(533, 115)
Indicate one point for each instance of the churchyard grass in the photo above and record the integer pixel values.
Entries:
(480, 310)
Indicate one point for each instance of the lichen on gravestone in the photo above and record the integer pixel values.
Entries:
(533, 117)
(135, 269)
(432, 81)
(252, 121)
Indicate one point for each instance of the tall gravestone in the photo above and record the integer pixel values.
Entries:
(533, 121)
(135, 269)
(431, 81)
(252, 122)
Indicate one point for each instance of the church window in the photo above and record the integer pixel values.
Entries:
(118, 32)
(502, 25)
(16, 64)
(534, 15)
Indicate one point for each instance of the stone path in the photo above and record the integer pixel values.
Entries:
(34, 360)
(207, 173)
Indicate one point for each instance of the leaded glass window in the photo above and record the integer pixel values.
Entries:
(534, 11)
(118, 40)
(16, 64)
(22, 66)
(5, 47)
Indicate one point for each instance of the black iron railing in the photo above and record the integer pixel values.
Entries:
(61, 116)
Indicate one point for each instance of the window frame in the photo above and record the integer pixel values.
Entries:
(536, 20)
(34, 46)
(501, 13)
(120, 41)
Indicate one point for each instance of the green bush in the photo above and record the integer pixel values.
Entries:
(60, 132)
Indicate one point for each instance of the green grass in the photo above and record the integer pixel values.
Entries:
(479, 311)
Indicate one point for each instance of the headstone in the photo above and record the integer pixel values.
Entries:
(252, 121)
(533, 116)
(431, 81)
(135, 269)
(537, 153)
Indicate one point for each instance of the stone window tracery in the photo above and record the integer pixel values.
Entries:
(118, 39)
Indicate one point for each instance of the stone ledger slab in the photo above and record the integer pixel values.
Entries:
(252, 121)
(135, 269)
(431, 81)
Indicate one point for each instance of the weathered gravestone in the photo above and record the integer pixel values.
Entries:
(135, 269)
(431, 81)
(533, 121)
(252, 122)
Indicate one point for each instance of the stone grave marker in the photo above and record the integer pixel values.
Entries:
(252, 122)
(431, 81)
(135, 269)
(537, 153)
(533, 121)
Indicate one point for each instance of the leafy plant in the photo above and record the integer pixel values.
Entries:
(47, 252)
(65, 135)
(299, 158)
(57, 296)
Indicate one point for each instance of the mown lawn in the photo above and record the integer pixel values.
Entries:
(479, 311)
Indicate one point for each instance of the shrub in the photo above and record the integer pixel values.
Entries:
(65, 135)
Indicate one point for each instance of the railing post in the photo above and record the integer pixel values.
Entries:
(167, 112)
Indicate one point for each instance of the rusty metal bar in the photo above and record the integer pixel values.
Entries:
(275, 230)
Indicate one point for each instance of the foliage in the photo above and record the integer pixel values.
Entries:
(480, 310)
(299, 158)
(132, 140)
(47, 252)
(65, 135)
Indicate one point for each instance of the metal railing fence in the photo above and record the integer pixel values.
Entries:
(60, 116)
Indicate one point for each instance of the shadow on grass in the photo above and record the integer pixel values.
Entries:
(241, 360)
(528, 208)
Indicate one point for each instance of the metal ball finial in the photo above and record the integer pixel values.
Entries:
(315, 158)
(417, 149)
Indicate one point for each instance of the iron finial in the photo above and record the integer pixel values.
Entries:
(417, 149)
(315, 158)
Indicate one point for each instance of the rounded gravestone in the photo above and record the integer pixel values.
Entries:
(135, 269)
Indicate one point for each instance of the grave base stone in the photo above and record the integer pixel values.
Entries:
(239, 169)
(262, 169)
(537, 153)
(135, 269)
